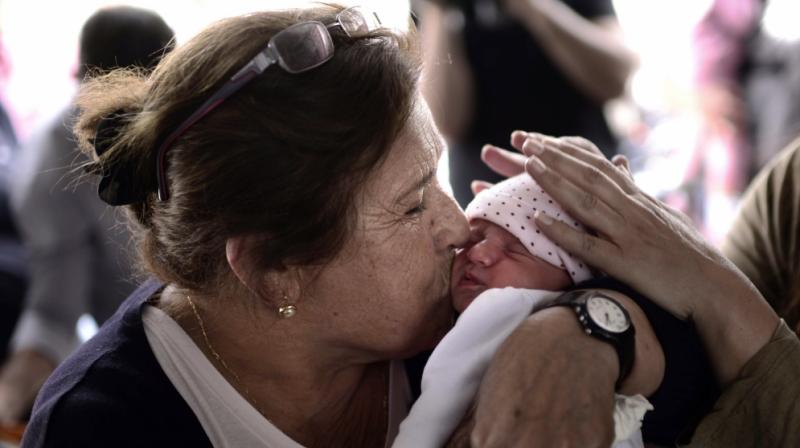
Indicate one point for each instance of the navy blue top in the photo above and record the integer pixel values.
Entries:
(113, 392)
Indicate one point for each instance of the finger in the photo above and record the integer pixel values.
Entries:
(583, 204)
(534, 144)
(586, 151)
(479, 185)
(622, 162)
(621, 176)
(583, 144)
(591, 249)
(593, 175)
(518, 138)
(502, 161)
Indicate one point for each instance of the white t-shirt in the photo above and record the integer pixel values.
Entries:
(456, 367)
(228, 419)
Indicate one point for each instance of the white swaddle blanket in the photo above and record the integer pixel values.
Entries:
(455, 369)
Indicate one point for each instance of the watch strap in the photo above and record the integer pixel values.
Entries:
(624, 343)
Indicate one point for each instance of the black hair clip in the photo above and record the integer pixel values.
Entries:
(118, 183)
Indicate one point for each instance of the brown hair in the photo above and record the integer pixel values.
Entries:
(284, 158)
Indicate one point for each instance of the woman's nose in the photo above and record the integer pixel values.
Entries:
(451, 226)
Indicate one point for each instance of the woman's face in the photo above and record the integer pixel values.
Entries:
(387, 295)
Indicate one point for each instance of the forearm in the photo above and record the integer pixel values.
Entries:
(760, 407)
(734, 322)
(548, 383)
(446, 83)
(591, 54)
(554, 354)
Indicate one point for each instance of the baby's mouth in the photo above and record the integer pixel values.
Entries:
(469, 279)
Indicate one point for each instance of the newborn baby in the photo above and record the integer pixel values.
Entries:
(508, 270)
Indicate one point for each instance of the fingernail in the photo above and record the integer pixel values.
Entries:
(535, 164)
(532, 146)
(544, 218)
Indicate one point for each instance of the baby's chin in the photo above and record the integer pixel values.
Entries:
(463, 297)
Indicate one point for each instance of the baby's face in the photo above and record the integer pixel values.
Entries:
(494, 258)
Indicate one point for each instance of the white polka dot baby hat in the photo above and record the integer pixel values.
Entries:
(511, 205)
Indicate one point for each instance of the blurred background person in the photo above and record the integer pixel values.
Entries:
(78, 252)
(747, 74)
(13, 274)
(493, 66)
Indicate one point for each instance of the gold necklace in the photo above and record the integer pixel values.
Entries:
(221, 361)
(250, 398)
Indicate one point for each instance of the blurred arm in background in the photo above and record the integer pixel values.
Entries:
(591, 53)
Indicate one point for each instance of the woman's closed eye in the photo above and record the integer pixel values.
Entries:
(416, 210)
(419, 207)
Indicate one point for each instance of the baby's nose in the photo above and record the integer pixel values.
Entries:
(482, 254)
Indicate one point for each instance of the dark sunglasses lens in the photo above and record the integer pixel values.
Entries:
(303, 46)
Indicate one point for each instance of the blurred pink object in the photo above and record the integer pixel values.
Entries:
(718, 38)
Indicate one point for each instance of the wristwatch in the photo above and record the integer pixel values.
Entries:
(604, 318)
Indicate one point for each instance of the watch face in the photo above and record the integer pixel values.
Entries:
(607, 314)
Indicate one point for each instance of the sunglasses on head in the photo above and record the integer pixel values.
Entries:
(299, 48)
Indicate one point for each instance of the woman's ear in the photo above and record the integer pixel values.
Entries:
(233, 253)
(241, 265)
(273, 287)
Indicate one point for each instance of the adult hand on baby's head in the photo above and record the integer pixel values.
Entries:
(635, 237)
(508, 163)
(642, 242)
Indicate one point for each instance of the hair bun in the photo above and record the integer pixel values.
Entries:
(119, 184)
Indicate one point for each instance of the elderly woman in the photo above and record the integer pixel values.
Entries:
(280, 172)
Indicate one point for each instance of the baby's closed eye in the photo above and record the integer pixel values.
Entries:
(518, 249)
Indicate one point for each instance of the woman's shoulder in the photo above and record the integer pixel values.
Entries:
(112, 392)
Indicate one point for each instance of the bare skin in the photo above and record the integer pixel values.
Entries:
(22, 376)
(321, 376)
(494, 258)
(590, 53)
(634, 229)
(638, 236)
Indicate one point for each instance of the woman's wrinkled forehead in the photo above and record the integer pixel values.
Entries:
(422, 128)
